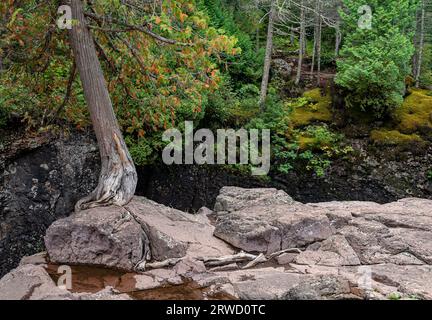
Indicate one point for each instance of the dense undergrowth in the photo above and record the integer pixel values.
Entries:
(215, 83)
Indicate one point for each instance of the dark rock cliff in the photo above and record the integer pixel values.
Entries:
(41, 179)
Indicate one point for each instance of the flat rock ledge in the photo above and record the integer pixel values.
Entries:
(255, 244)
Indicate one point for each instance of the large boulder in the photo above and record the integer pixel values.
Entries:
(235, 198)
(266, 220)
(123, 237)
(107, 236)
(175, 234)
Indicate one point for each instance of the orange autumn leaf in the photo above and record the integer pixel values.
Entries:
(183, 17)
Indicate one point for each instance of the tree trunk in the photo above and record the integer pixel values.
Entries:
(301, 44)
(292, 36)
(118, 177)
(267, 60)
(338, 36)
(421, 45)
(315, 39)
(257, 39)
(319, 41)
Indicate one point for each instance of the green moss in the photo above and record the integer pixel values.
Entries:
(314, 95)
(306, 143)
(416, 112)
(241, 114)
(393, 137)
(394, 296)
(317, 110)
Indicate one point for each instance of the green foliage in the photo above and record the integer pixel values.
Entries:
(320, 146)
(429, 175)
(152, 86)
(374, 63)
(311, 148)
(234, 21)
(426, 74)
(394, 296)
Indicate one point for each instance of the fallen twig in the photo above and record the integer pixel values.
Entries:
(260, 259)
(220, 261)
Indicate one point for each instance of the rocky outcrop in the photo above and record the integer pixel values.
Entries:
(334, 233)
(266, 220)
(41, 178)
(124, 237)
(282, 68)
(335, 250)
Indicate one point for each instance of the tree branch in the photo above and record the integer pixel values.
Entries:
(131, 27)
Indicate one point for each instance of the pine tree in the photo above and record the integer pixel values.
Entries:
(374, 62)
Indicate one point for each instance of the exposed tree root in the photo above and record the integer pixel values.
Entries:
(259, 259)
(220, 261)
(142, 266)
(117, 180)
(215, 262)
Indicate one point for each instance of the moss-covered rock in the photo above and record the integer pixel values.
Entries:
(415, 113)
(393, 137)
(317, 110)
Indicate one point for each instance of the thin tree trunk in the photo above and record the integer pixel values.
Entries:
(267, 60)
(319, 34)
(338, 40)
(338, 35)
(292, 36)
(421, 45)
(315, 38)
(257, 39)
(118, 177)
(301, 44)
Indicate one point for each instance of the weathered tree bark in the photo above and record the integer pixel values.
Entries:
(419, 59)
(301, 44)
(268, 54)
(118, 177)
